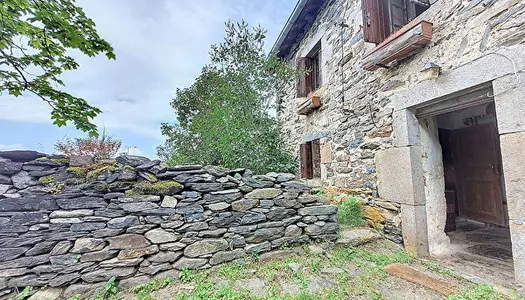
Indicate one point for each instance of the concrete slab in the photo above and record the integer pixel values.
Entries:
(415, 233)
(513, 157)
(406, 128)
(508, 97)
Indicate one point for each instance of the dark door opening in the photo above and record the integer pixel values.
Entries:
(477, 219)
(472, 166)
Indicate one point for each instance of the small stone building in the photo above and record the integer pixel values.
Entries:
(417, 107)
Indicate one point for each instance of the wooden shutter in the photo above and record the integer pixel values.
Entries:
(305, 152)
(375, 28)
(316, 159)
(301, 81)
(397, 14)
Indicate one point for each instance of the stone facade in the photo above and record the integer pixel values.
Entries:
(138, 219)
(366, 124)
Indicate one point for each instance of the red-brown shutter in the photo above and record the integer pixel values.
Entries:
(305, 152)
(301, 81)
(375, 28)
(316, 159)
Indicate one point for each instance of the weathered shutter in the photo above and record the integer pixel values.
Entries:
(397, 14)
(416, 7)
(305, 152)
(301, 81)
(316, 159)
(374, 21)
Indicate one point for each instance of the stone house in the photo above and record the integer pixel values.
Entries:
(416, 107)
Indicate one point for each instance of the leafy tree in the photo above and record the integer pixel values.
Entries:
(35, 38)
(224, 117)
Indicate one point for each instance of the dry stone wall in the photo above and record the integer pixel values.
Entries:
(77, 223)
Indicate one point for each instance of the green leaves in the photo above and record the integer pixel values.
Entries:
(35, 36)
(224, 117)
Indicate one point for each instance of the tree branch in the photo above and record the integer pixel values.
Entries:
(26, 83)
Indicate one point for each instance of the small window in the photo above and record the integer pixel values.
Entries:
(310, 155)
(381, 18)
(310, 80)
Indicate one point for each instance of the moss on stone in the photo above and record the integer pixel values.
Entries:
(79, 172)
(93, 175)
(55, 187)
(133, 192)
(126, 168)
(151, 177)
(60, 161)
(45, 180)
(166, 187)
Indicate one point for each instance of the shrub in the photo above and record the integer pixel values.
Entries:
(104, 147)
(349, 213)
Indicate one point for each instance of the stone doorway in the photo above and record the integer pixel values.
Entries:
(477, 222)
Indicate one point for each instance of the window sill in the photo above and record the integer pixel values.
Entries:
(407, 40)
(310, 104)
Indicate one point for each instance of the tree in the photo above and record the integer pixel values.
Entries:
(35, 38)
(224, 117)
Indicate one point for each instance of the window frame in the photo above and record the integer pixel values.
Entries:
(311, 79)
(378, 17)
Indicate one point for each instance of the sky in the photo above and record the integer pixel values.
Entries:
(161, 45)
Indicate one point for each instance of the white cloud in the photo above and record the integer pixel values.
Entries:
(131, 150)
(4, 147)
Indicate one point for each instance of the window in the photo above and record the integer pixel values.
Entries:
(310, 155)
(382, 18)
(311, 79)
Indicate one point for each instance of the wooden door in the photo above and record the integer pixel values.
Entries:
(478, 169)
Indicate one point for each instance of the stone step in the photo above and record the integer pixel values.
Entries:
(352, 237)
(418, 277)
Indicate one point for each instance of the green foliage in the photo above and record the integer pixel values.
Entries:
(55, 187)
(478, 292)
(76, 297)
(35, 41)
(437, 268)
(224, 117)
(78, 172)
(93, 175)
(110, 288)
(47, 179)
(26, 292)
(186, 275)
(349, 213)
(232, 271)
(143, 291)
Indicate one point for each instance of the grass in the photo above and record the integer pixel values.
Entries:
(349, 213)
(362, 278)
(143, 291)
(479, 292)
(437, 268)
